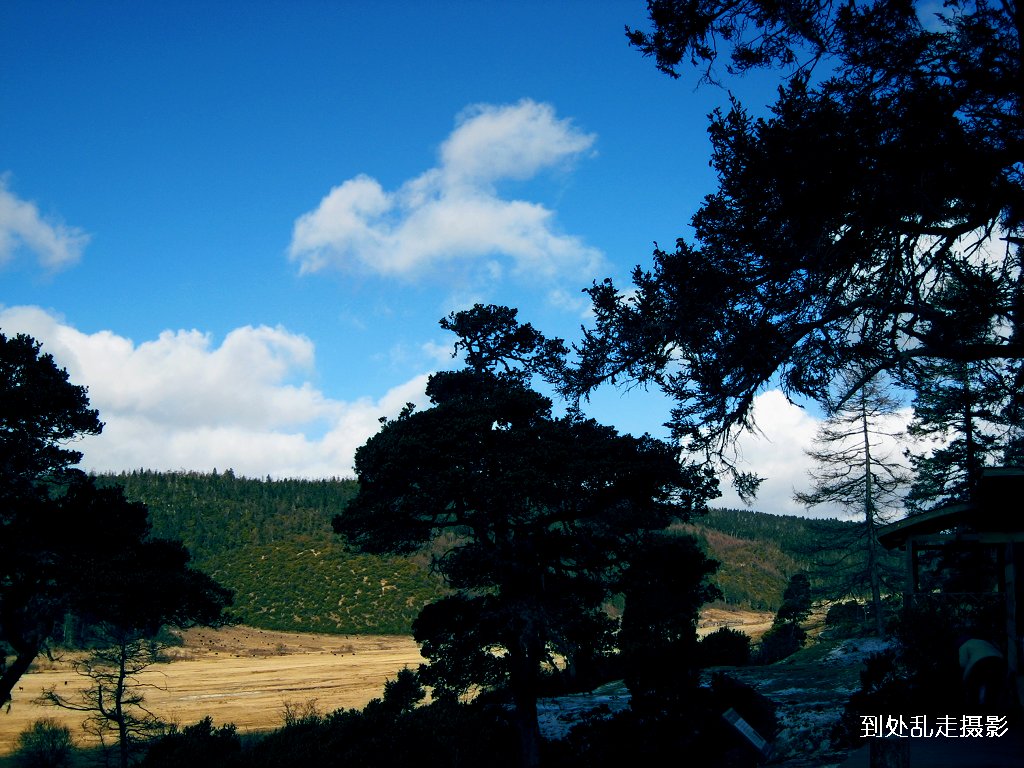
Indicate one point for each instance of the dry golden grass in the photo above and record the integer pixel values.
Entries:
(235, 675)
(752, 623)
(245, 676)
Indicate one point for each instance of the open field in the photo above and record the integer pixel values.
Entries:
(244, 676)
(752, 623)
(236, 675)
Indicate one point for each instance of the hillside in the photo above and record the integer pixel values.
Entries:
(271, 542)
(758, 553)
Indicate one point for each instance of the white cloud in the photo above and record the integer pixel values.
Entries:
(452, 214)
(778, 454)
(54, 244)
(182, 402)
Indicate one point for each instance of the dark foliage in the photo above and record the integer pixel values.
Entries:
(841, 220)
(664, 587)
(40, 412)
(786, 636)
(45, 744)
(71, 547)
(724, 647)
(545, 514)
(548, 511)
(389, 733)
(846, 619)
(780, 642)
(921, 674)
(796, 600)
(127, 587)
(199, 744)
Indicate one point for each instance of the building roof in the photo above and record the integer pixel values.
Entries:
(996, 508)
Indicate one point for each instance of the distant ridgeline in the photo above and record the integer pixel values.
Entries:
(271, 542)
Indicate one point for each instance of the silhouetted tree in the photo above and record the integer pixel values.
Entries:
(114, 701)
(786, 636)
(41, 411)
(65, 544)
(664, 587)
(838, 215)
(857, 473)
(967, 412)
(546, 512)
(132, 593)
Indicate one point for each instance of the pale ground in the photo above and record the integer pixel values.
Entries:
(753, 623)
(236, 675)
(244, 676)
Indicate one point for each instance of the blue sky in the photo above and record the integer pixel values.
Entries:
(239, 223)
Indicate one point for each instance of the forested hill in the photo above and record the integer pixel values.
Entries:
(215, 513)
(271, 542)
(759, 552)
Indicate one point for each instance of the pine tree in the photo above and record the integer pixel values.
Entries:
(966, 409)
(857, 472)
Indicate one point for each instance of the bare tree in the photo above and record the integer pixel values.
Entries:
(856, 472)
(114, 700)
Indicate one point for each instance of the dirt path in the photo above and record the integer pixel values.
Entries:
(236, 675)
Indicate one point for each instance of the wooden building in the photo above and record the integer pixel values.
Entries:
(971, 552)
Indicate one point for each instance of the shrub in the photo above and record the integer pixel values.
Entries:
(781, 641)
(847, 619)
(724, 647)
(198, 744)
(44, 744)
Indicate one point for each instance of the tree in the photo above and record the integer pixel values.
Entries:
(65, 544)
(889, 162)
(969, 412)
(130, 593)
(664, 587)
(856, 473)
(544, 514)
(786, 636)
(114, 702)
(45, 744)
(959, 411)
(40, 413)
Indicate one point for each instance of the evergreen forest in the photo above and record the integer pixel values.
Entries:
(271, 542)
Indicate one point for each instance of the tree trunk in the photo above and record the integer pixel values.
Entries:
(121, 717)
(11, 675)
(522, 681)
(869, 520)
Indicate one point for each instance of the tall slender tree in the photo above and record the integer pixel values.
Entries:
(856, 468)
(966, 412)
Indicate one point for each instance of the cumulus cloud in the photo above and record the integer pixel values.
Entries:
(181, 401)
(54, 244)
(778, 454)
(453, 213)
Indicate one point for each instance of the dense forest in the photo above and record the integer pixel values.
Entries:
(271, 542)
